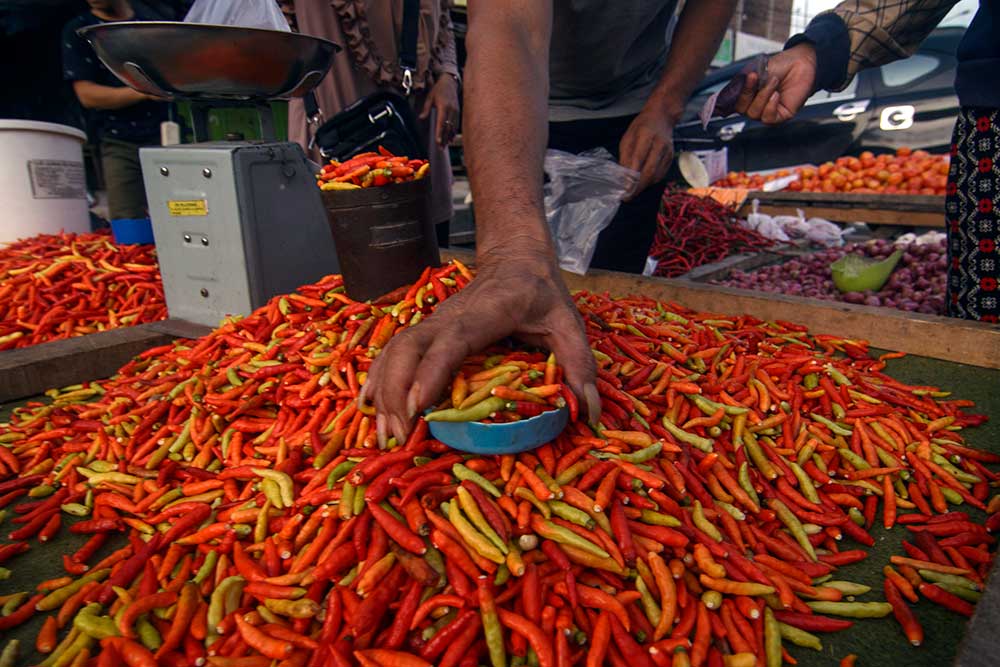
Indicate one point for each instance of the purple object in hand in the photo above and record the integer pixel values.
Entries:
(723, 102)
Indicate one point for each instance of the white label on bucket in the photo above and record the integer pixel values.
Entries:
(57, 179)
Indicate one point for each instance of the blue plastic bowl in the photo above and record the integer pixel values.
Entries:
(506, 438)
(132, 231)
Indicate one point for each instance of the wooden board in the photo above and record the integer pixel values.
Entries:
(32, 370)
(902, 210)
(949, 339)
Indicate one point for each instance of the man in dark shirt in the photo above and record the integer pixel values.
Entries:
(125, 118)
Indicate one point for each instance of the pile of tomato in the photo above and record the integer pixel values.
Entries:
(905, 172)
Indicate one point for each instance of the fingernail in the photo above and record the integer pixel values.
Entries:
(411, 401)
(399, 430)
(593, 400)
(381, 430)
(363, 394)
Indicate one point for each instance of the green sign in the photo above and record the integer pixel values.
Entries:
(724, 55)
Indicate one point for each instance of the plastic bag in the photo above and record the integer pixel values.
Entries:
(581, 197)
(764, 224)
(246, 14)
(825, 233)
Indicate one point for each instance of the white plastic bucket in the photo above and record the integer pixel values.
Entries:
(42, 182)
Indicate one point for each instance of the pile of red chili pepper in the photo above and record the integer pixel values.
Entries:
(367, 170)
(498, 387)
(62, 285)
(736, 466)
(692, 231)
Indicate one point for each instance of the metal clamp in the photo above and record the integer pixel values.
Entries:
(407, 80)
(312, 124)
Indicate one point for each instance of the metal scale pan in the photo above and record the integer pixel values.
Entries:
(211, 62)
(212, 65)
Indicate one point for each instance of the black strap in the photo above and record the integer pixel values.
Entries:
(407, 50)
(311, 104)
(408, 38)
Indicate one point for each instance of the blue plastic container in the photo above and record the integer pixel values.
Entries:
(505, 438)
(132, 231)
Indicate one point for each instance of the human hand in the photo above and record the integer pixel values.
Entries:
(791, 76)
(443, 98)
(648, 147)
(521, 295)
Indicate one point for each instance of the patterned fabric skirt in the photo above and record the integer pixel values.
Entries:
(973, 216)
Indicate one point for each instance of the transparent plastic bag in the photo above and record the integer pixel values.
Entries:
(825, 233)
(246, 14)
(764, 224)
(581, 197)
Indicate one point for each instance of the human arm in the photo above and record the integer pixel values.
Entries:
(95, 96)
(648, 146)
(855, 35)
(518, 289)
(443, 95)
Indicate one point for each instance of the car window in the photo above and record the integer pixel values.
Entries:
(824, 96)
(905, 72)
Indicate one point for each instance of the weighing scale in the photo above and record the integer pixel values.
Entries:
(235, 222)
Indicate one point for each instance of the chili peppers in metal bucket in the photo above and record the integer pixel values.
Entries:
(737, 465)
(371, 170)
(57, 286)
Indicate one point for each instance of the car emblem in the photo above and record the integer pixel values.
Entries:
(897, 118)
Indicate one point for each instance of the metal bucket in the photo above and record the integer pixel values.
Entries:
(384, 236)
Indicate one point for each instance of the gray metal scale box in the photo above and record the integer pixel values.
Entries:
(235, 224)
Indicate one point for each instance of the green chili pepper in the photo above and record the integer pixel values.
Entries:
(644, 454)
(856, 516)
(950, 579)
(731, 510)
(966, 594)
(359, 500)
(793, 525)
(556, 533)
(744, 479)
(851, 609)
(338, 472)
(89, 622)
(473, 413)
(526, 494)
(55, 599)
(858, 462)
(468, 504)
(757, 456)
(837, 376)
(832, 425)
(800, 637)
(572, 472)
(772, 639)
(702, 523)
(658, 519)
(649, 605)
(701, 443)
(8, 658)
(848, 587)
(472, 537)
(571, 514)
(207, 568)
(805, 482)
(466, 474)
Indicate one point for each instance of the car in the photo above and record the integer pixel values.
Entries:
(909, 102)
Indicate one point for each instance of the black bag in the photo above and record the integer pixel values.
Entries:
(383, 118)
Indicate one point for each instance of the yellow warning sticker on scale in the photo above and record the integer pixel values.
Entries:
(186, 207)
